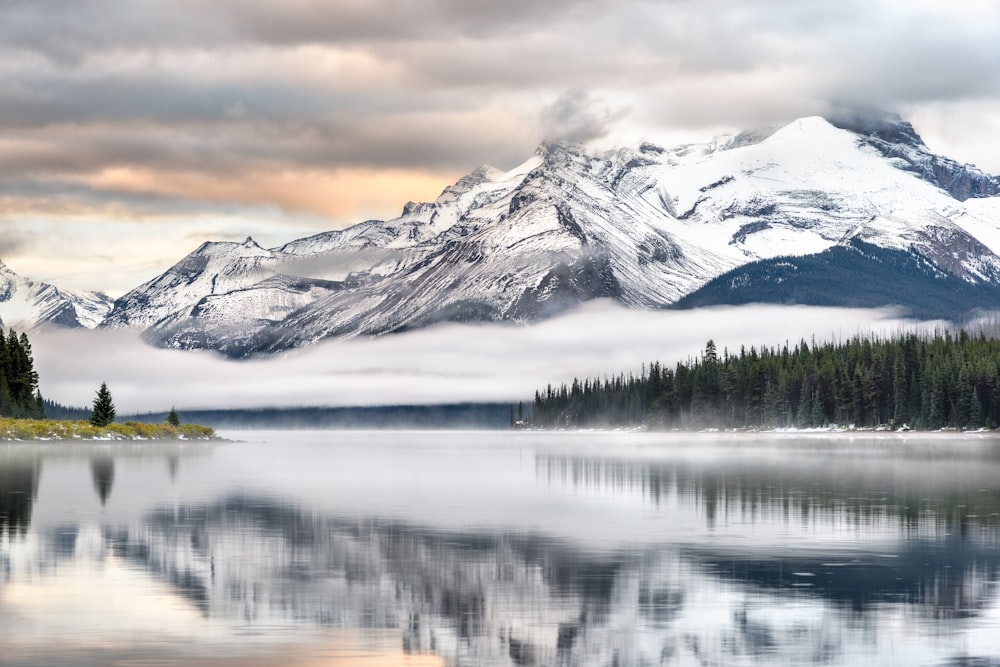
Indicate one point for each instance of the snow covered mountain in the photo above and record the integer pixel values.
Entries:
(645, 226)
(27, 304)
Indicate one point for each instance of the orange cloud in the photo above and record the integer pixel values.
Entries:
(343, 195)
(66, 207)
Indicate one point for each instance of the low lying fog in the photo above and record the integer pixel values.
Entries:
(444, 364)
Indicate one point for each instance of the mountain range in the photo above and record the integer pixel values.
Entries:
(27, 303)
(847, 210)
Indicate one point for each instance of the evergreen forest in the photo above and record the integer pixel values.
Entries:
(923, 382)
(19, 395)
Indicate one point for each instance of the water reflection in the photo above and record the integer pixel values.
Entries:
(731, 558)
(102, 468)
(18, 488)
(473, 597)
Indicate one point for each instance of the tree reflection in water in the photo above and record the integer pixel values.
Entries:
(102, 469)
(18, 490)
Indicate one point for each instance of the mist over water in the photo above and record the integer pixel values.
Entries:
(503, 548)
(442, 364)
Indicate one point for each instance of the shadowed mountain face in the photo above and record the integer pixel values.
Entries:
(647, 227)
(854, 275)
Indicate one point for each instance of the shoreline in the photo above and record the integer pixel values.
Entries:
(783, 432)
(56, 430)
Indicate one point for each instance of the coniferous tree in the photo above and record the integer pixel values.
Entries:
(103, 412)
(173, 418)
(929, 382)
(18, 379)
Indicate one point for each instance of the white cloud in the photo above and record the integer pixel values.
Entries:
(450, 363)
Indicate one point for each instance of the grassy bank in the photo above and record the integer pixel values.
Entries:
(53, 429)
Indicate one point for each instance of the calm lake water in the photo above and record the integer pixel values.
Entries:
(481, 548)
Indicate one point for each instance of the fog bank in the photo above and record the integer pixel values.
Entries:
(444, 364)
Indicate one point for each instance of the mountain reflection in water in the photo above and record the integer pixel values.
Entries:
(623, 550)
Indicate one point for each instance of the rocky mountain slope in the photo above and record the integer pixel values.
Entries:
(28, 304)
(644, 226)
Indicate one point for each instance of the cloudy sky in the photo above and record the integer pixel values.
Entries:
(132, 131)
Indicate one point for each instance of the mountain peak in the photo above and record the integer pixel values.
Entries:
(897, 140)
(883, 125)
(32, 304)
(751, 137)
(551, 149)
(642, 226)
(482, 174)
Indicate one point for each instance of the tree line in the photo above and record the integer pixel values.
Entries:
(20, 397)
(924, 382)
(19, 394)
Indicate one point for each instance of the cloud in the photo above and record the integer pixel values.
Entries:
(450, 363)
(154, 108)
(66, 32)
(13, 240)
(577, 117)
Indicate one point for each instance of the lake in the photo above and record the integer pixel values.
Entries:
(503, 548)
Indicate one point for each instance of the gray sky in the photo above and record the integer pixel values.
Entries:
(130, 132)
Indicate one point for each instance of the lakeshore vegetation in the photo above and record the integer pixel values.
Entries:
(921, 382)
(23, 410)
(58, 429)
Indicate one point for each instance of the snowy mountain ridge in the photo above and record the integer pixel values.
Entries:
(645, 226)
(28, 304)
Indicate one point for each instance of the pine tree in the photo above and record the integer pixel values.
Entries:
(173, 418)
(104, 409)
(803, 415)
(927, 382)
(39, 405)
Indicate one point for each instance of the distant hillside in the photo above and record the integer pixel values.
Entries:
(854, 275)
(451, 416)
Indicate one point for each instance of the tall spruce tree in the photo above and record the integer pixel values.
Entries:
(104, 408)
(173, 418)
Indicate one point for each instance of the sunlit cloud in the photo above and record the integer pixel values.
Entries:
(335, 195)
